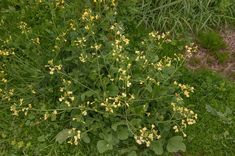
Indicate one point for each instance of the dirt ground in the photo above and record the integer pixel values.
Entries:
(203, 59)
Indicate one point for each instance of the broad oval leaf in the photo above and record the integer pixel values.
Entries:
(156, 146)
(63, 135)
(122, 133)
(103, 146)
(115, 125)
(132, 153)
(113, 90)
(176, 144)
(86, 138)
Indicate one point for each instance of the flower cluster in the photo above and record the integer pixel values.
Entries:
(3, 76)
(76, 136)
(190, 49)
(150, 79)
(83, 108)
(67, 95)
(164, 37)
(178, 57)
(80, 42)
(141, 56)
(6, 94)
(53, 68)
(119, 43)
(124, 76)
(36, 41)
(188, 117)
(146, 136)
(6, 53)
(7, 40)
(83, 57)
(23, 26)
(59, 41)
(39, 1)
(96, 46)
(59, 3)
(17, 108)
(186, 89)
(53, 115)
(72, 25)
(165, 62)
(112, 103)
(114, 2)
(88, 18)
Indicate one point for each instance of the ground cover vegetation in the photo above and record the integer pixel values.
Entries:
(215, 128)
(86, 78)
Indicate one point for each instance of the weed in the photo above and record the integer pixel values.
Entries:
(75, 80)
(74, 77)
(214, 134)
(211, 40)
(222, 57)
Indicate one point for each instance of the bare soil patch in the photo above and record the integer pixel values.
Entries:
(204, 59)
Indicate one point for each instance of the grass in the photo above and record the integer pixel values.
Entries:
(211, 40)
(222, 56)
(180, 16)
(214, 102)
(214, 44)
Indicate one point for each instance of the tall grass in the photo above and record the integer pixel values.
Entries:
(184, 15)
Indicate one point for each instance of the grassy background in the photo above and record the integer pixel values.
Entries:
(180, 15)
(214, 133)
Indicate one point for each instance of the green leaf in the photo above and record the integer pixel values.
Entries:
(86, 94)
(113, 90)
(211, 110)
(111, 139)
(53, 117)
(155, 58)
(136, 122)
(122, 133)
(108, 137)
(28, 122)
(149, 88)
(31, 116)
(133, 153)
(115, 125)
(103, 146)
(176, 144)
(123, 151)
(41, 138)
(156, 146)
(63, 135)
(86, 138)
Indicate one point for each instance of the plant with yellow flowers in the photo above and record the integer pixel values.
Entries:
(81, 76)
